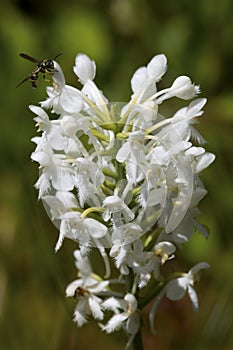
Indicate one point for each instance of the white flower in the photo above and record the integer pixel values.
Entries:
(87, 179)
(177, 288)
(58, 76)
(61, 203)
(126, 234)
(133, 256)
(164, 250)
(54, 173)
(95, 95)
(115, 208)
(128, 318)
(125, 179)
(62, 98)
(84, 68)
(157, 67)
(42, 118)
(188, 113)
(144, 79)
(200, 158)
(84, 289)
(138, 79)
(182, 88)
(133, 152)
(82, 230)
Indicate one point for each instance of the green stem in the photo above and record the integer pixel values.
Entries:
(137, 342)
(144, 301)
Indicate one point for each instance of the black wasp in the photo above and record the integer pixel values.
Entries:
(45, 66)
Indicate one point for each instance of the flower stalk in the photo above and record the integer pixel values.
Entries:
(122, 179)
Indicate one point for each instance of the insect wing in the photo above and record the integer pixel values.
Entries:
(29, 58)
(23, 81)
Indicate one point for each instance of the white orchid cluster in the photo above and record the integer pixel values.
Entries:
(121, 179)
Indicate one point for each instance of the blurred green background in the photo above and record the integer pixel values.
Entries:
(120, 35)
